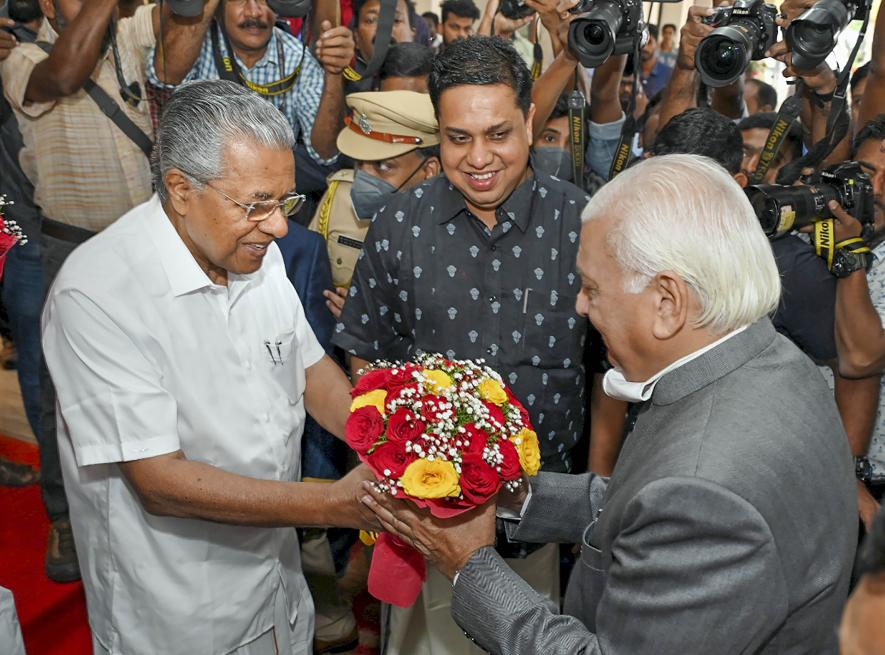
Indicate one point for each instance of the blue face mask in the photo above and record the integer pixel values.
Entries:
(553, 161)
(369, 194)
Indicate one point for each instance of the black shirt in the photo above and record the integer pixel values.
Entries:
(808, 299)
(433, 278)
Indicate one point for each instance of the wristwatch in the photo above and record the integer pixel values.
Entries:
(863, 469)
(846, 262)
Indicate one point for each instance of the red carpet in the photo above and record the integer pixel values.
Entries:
(52, 615)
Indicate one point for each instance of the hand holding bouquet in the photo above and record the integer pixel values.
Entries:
(444, 434)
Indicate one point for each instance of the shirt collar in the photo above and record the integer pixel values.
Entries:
(617, 386)
(518, 207)
(182, 270)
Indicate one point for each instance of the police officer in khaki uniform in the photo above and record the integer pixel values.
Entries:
(394, 139)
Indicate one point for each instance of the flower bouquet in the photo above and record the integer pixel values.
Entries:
(10, 234)
(444, 434)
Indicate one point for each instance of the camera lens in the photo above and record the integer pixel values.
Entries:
(591, 36)
(784, 208)
(722, 58)
(813, 35)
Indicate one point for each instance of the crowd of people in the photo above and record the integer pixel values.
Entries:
(233, 212)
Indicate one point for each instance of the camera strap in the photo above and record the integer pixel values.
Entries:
(838, 122)
(577, 110)
(628, 131)
(537, 51)
(112, 109)
(229, 69)
(824, 241)
(787, 115)
(382, 43)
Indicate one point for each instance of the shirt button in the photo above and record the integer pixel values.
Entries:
(493, 299)
(489, 350)
(493, 247)
(267, 417)
(248, 366)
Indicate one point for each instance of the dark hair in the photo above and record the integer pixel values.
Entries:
(432, 17)
(874, 129)
(673, 25)
(407, 60)
(24, 11)
(765, 121)
(561, 108)
(702, 131)
(871, 558)
(481, 61)
(767, 94)
(653, 30)
(462, 8)
(858, 76)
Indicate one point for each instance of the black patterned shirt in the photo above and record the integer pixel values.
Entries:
(434, 278)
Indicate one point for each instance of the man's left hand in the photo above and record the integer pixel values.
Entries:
(335, 48)
(447, 544)
(7, 40)
(347, 494)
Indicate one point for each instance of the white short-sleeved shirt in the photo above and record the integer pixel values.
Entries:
(149, 357)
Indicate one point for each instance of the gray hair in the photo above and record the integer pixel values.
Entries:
(201, 119)
(686, 214)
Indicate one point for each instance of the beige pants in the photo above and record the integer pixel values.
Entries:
(334, 619)
(427, 628)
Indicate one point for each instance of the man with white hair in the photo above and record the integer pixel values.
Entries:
(184, 364)
(728, 523)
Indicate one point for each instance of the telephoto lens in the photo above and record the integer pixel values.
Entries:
(781, 209)
(744, 32)
(813, 35)
(515, 9)
(608, 27)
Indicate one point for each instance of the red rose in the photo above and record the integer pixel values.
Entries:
(372, 380)
(363, 428)
(405, 426)
(430, 408)
(510, 468)
(389, 460)
(479, 481)
(476, 439)
(402, 378)
(395, 393)
(495, 413)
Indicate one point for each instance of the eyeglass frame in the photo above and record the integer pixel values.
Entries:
(248, 208)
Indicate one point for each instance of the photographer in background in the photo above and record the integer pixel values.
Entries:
(241, 33)
(86, 169)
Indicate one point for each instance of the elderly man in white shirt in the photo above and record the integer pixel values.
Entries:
(184, 364)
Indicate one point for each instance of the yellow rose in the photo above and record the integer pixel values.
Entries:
(526, 442)
(437, 381)
(374, 398)
(492, 391)
(426, 479)
(367, 537)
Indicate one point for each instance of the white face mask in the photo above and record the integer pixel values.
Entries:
(616, 386)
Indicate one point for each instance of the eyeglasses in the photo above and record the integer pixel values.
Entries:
(261, 210)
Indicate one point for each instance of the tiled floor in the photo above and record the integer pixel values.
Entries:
(12, 413)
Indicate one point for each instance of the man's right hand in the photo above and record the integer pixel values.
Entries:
(350, 511)
(335, 301)
(7, 40)
(846, 226)
(693, 32)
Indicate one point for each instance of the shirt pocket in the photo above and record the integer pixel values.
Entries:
(283, 359)
(552, 338)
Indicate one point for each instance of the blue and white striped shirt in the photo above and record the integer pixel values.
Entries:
(300, 105)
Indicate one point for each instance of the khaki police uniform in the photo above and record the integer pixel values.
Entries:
(383, 125)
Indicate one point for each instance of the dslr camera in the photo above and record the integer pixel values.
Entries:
(813, 35)
(604, 28)
(781, 208)
(284, 8)
(515, 9)
(744, 32)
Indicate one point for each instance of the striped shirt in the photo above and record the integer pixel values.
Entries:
(300, 104)
(85, 170)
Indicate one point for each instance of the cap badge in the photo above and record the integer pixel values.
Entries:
(364, 123)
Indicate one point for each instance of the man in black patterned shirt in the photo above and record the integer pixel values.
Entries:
(479, 263)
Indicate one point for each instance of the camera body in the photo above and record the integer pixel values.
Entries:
(515, 9)
(284, 8)
(744, 32)
(782, 208)
(604, 28)
(813, 35)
